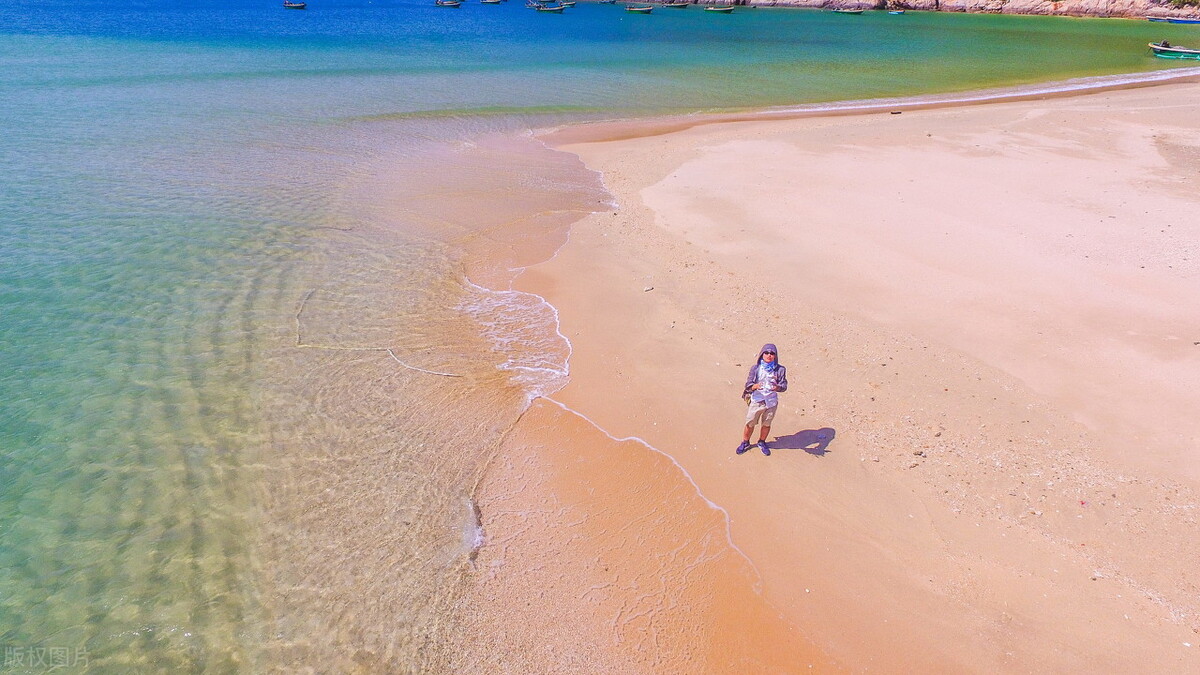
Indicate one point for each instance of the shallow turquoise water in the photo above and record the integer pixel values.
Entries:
(195, 195)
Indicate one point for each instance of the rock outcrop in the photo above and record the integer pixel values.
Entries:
(1111, 8)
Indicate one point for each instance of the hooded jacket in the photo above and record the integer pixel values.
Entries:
(780, 375)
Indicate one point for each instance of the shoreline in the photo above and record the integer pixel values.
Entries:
(628, 128)
(602, 364)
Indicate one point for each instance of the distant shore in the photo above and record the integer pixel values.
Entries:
(1131, 9)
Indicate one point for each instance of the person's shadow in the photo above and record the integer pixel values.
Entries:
(813, 441)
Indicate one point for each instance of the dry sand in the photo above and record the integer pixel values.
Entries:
(995, 313)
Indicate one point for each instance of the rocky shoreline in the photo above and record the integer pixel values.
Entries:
(1099, 8)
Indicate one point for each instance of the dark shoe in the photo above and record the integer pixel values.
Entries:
(743, 447)
(762, 445)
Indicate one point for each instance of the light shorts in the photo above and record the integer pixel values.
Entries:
(759, 412)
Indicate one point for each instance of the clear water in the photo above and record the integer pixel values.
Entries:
(238, 245)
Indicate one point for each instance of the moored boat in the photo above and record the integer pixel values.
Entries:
(847, 11)
(896, 11)
(290, 4)
(447, 3)
(674, 4)
(554, 9)
(1168, 19)
(639, 9)
(1165, 50)
(727, 9)
(490, 2)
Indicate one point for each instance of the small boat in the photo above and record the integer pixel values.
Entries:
(1183, 20)
(1165, 50)
(608, 2)
(896, 11)
(639, 9)
(847, 11)
(567, 3)
(447, 3)
(728, 9)
(554, 9)
(676, 5)
(490, 2)
(290, 4)
(1158, 19)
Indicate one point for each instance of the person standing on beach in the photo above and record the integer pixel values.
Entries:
(766, 379)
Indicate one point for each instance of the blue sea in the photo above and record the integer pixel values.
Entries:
(255, 325)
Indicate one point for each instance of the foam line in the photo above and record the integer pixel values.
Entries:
(566, 371)
(566, 368)
(700, 493)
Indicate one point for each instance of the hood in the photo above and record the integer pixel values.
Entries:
(768, 348)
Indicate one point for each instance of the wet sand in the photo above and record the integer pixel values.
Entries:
(991, 310)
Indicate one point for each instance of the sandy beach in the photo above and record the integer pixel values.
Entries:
(992, 313)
